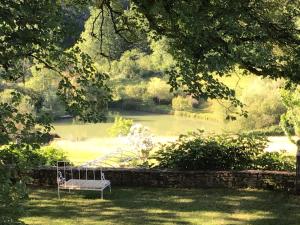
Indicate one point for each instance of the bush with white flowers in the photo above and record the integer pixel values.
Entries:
(140, 141)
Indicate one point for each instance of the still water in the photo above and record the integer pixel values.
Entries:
(159, 125)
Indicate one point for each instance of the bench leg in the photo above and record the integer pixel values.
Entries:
(101, 194)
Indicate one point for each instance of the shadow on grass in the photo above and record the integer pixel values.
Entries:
(167, 206)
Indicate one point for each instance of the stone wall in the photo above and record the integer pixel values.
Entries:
(180, 179)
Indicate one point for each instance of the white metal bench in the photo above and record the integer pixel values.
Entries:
(66, 178)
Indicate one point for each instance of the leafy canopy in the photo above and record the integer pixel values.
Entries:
(208, 39)
(34, 33)
(290, 121)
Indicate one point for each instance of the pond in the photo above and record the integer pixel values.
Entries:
(83, 142)
(159, 125)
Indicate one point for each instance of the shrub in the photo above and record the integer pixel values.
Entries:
(12, 195)
(180, 103)
(276, 161)
(20, 156)
(15, 162)
(50, 155)
(197, 151)
(121, 126)
(28, 157)
(141, 141)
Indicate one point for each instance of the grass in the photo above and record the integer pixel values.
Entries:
(163, 206)
(90, 149)
(85, 150)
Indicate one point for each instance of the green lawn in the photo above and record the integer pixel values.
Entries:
(163, 206)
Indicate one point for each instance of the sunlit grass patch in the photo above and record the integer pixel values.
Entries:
(163, 206)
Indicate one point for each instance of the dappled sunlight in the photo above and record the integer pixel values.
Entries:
(164, 206)
(247, 216)
(182, 200)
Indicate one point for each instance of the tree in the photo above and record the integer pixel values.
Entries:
(35, 32)
(121, 127)
(136, 91)
(290, 121)
(45, 83)
(158, 88)
(209, 38)
(256, 35)
(180, 103)
(263, 103)
(39, 39)
(99, 38)
(127, 67)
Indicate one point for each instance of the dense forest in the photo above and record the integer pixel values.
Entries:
(139, 79)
